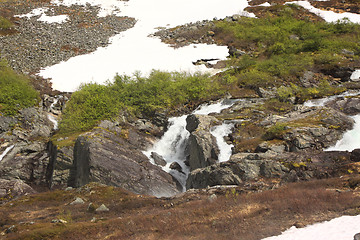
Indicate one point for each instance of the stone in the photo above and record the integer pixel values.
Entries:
(176, 166)
(91, 207)
(355, 155)
(102, 208)
(357, 236)
(15, 188)
(212, 197)
(202, 149)
(77, 201)
(158, 159)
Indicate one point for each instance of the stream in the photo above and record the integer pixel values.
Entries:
(171, 147)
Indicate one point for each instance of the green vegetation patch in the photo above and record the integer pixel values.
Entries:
(137, 95)
(280, 48)
(15, 91)
(5, 23)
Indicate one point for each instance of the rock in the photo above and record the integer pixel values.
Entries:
(234, 172)
(347, 52)
(355, 155)
(201, 146)
(6, 123)
(192, 122)
(212, 197)
(235, 52)
(349, 106)
(77, 201)
(176, 166)
(354, 182)
(357, 236)
(117, 160)
(266, 93)
(91, 207)
(102, 208)
(11, 229)
(69, 189)
(158, 159)
(14, 188)
(307, 79)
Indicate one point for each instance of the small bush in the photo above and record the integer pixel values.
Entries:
(275, 132)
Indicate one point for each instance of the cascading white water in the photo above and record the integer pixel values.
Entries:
(320, 102)
(219, 132)
(172, 145)
(8, 149)
(51, 116)
(350, 140)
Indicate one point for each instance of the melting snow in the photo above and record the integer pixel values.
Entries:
(342, 228)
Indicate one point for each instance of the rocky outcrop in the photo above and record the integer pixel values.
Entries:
(114, 157)
(350, 106)
(24, 138)
(202, 148)
(234, 172)
(10, 189)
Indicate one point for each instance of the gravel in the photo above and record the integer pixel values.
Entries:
(39, 44)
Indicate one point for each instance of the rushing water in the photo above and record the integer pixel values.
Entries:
(219, 132)
(133, 50)
(351, 138)
(172, 145)
(8, 149)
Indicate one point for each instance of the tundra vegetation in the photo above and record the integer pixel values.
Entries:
(16, 91)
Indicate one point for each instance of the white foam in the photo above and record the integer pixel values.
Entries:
(350, 140)
(219, 132)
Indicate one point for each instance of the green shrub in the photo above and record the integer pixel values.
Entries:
(137, 95)
(4, 23)
(15, 91)
(275, 132)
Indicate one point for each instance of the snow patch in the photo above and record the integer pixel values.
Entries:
(344, 228)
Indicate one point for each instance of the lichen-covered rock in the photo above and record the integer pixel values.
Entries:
(10, 189)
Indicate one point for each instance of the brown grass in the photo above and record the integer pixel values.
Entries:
(232, 215)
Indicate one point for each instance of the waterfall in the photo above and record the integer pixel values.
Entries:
(171, 146)
(350, 140)
(219, 132)
(6, 151)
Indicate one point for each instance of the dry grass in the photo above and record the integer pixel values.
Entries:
(232, 215)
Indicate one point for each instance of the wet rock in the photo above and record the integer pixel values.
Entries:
(201, 146)
(158, 159)
(176, 166)
(114, 159)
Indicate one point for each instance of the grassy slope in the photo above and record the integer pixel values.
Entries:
(234, 214)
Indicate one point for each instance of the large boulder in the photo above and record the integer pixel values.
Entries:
(234, 172)
(202, 148)
(10, 189)
(115, 158)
